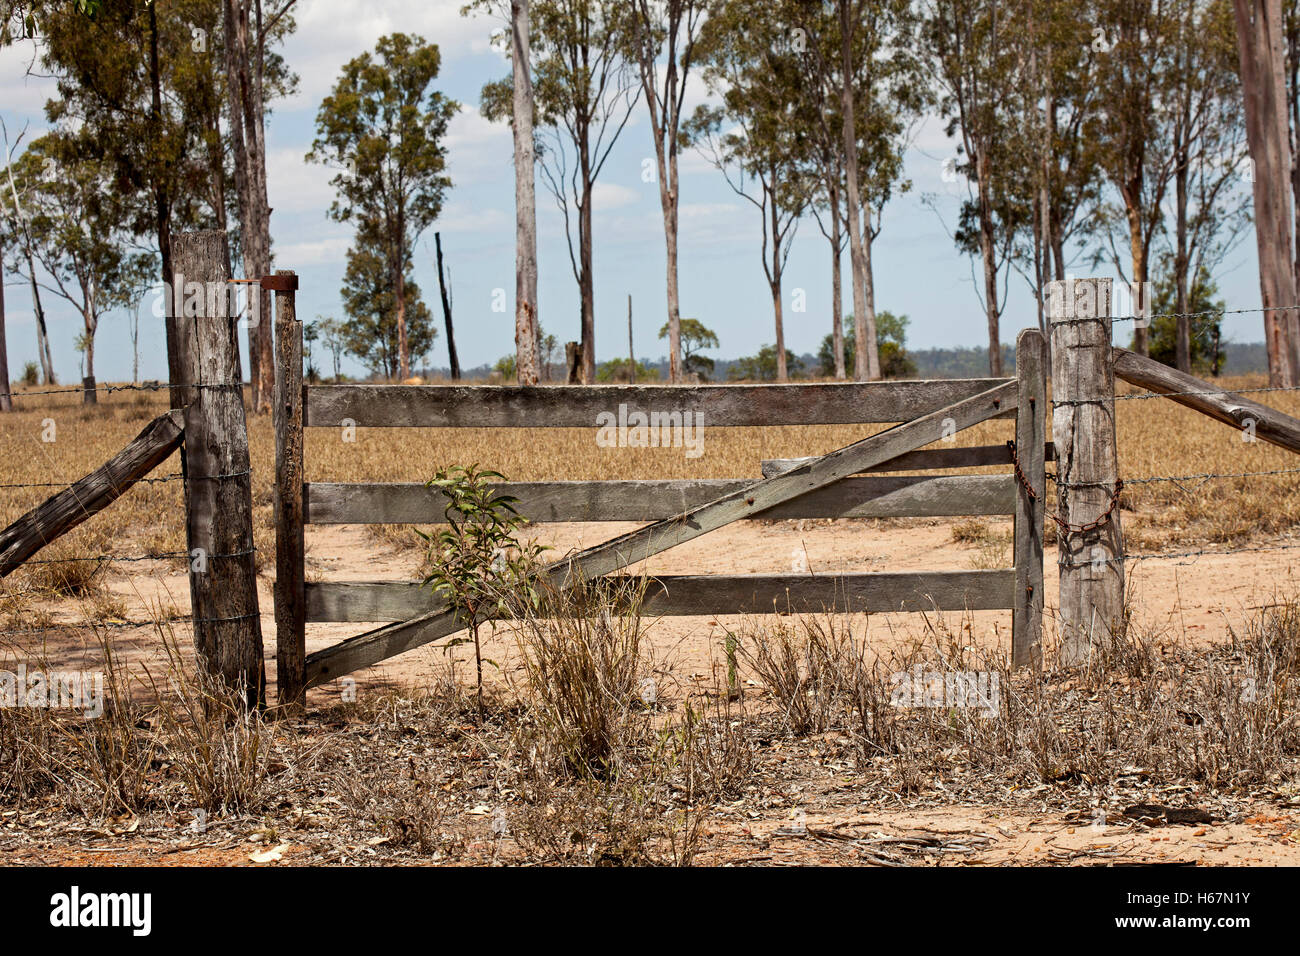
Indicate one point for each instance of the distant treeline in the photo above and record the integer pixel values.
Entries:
(1240, 358)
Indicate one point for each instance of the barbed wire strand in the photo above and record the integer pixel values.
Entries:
(146, 387)
(161, 556)
(142, 481)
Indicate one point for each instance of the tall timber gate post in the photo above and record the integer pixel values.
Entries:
(1031, 491)
(290, 595)
(218, 480)
(1090, 545)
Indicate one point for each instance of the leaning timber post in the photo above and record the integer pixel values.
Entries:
(290, 588)
(1090, 548)
(1031, 491)
(218, 483)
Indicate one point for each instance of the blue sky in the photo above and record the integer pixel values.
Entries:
(917, 270)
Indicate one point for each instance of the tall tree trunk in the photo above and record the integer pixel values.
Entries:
(867, 357)
(837, 286)
(526, 319)
(782, 372)
(445, 294)
(42, 334)
(88, 395)
(162, 225)
(1183, 345)
(586, 285)
(631, 347)
(668, 201)
(988, 254)
(6, 401)
(1138, 255)
(403, 347)
(1259, 49)
(248, 141)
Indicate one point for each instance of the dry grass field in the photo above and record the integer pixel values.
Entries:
(770, 739)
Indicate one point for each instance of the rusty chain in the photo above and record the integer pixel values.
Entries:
(1064, 525)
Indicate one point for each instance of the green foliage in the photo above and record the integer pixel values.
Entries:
(382, 127)
(615, 370)
(31, 373)
(1206, 330)
(695, 335)
(70, 217)
(506, 365)
(762, 367)
(891, 338)
(113, 60)
(475, 562)
(370, 330)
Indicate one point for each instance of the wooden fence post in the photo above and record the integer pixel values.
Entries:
(1031, 490)
(218, 482)
(290, 599)
(1090, 551)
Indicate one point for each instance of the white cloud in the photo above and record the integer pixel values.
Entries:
(607, 196)
(466, 217)
(478, 151)
(329, 34)
(331, 251)
(295, 185)
(20, 93)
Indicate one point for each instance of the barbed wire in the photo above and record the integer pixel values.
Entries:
(1202, 476)
(142, 481)
(145, 387)
(1166, 556)
(161, 556)
(1192, 315)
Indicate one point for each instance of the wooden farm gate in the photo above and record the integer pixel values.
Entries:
(847, 483)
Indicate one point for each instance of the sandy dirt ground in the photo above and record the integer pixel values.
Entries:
(1188, 602)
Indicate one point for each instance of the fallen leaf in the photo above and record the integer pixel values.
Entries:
(273, 855)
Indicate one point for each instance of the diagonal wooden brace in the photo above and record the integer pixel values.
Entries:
(385, 642)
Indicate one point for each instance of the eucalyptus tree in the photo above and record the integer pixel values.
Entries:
(668, 31)
(758, 135)
(868, 89)
(71, 217)
(253, 70)
(382, 128)
(1207, 139)
(584, 86)
(974, 66)
(1262, 69)
(1048, 166)
(17, 233)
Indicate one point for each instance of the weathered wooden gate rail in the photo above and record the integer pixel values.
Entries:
(845, 483)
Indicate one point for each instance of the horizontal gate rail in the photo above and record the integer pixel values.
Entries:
(577, 406)
(553, 501)
(973, 456)
(626, 549)
(695, 594)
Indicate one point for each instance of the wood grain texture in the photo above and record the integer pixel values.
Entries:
(62, 512)
(370, 648)
(1083, 430)
(487, 406)
(542, 501)
(219, 498)
(682, 595)
(290, 555)
(1031, 432)
(1270, 425)
(974, 456)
